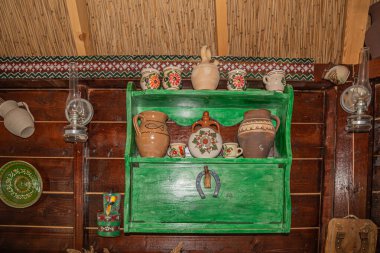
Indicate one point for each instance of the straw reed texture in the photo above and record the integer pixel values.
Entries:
(273, 28)
(282, 28)
(152, 27)
(38, 27)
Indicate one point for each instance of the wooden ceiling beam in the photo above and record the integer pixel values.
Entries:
(80, 27)
(221, 27)
(354, 29)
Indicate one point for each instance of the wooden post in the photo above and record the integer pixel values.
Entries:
(80, 27)
(221, 26)
(329, 167)
(354, 30)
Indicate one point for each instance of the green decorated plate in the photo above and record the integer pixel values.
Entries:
(20, 184)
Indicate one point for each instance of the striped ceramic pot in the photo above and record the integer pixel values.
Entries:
(256, 133)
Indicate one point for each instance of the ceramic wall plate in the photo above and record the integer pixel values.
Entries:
(20, 184)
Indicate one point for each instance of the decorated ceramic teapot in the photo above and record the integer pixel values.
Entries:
(206, 142)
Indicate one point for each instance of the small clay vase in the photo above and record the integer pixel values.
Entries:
(152, 137)
(372, 36)
(256, 133)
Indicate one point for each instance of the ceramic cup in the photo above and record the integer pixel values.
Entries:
(17, 120)
(337, 74)
(236, 80)
(150, 79)
(177, 150)
(172, 78)
(275, 80)
(231, 150)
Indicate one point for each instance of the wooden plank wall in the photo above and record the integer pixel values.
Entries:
(49, 224)
(375, 210)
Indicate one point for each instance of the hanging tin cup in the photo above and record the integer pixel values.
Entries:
(150, 79)
(172, 78)
(108, 225)
(236, 80)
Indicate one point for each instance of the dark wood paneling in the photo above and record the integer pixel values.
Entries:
(305, 176)
(107, 140)
(45, 105)
(376, 146)
(106, 175)
(305, 210)
(56, 173)
(307, 140)
(343, 162)
(35, 240)
(328, 180)
(376, 99)
(298, 241)
(49, 210)
(308, 107)
(375, 211)
(376, 174)
(47, 141)
(109, 105)
(30, 84)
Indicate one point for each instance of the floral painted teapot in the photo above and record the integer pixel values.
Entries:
(205, 142)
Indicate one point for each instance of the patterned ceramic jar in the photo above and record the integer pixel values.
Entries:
(150, 79)
(172, 78)
(108, 225)
(236, 80)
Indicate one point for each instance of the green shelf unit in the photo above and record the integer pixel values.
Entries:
(161, 194)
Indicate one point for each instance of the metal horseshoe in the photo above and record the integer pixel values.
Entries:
(198, 184)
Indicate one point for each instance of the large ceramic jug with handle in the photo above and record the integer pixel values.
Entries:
(205, 142)
(256, 133)
(17, 120)
(152, 137)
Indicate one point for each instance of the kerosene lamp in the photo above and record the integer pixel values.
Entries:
(356, 98)
(78, 111)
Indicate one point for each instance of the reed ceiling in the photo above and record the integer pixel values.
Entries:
(281, 28)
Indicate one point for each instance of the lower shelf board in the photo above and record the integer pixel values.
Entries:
(205, 228)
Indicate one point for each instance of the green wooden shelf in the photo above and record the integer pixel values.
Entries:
(209, 160)
(160, 193)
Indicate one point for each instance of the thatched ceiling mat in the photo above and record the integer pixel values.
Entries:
(281, 28)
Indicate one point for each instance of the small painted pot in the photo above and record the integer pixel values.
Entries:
(236, 80)
(231, 150)
(108, 225)
(172, 78)
(150, 79)
(177, 150)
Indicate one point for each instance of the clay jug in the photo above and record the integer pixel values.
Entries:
(152, 137)
(372, 36)
(256, 133)
(17, 120)
(205, 76)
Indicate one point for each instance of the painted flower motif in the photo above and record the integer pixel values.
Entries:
(238, 81)
(181, 151)
(174, 79)
(205, 141)
(227, 151)
(154, 82)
